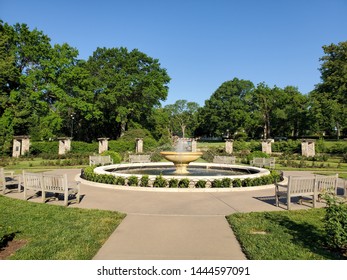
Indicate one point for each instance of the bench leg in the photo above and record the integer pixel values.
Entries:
(288, 202)
(315, 198)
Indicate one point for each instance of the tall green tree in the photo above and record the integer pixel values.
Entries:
(21, 53)
(228, 109)
(265, 98)
(183, 117)
(126, 86)
(330, 96)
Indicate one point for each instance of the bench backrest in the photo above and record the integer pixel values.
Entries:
(258, 160)
(224, 159)
(95, 160)
(32, 180)
(139, 158)
(54, 183)
(301, 185)
(269, 160)
(327, 184)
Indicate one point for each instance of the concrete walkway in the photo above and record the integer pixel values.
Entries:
(174, 225)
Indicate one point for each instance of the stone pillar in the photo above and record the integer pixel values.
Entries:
(229, 147)
(21, 145)
(64, 145)
(194, 145)
(266, 146)
(139, 145)
(103, 145)
(308, 148)
(16, 147)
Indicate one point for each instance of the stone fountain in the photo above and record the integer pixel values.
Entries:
(181, 160)
(182, 155)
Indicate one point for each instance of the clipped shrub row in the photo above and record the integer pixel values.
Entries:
(161, 182)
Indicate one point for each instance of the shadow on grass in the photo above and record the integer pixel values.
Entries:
(305, 234)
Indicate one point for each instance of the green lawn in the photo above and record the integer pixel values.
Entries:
(282, 235)
(56, 232)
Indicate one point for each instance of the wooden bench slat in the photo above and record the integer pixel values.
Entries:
(50, 183)
(224, 159)
(103, 160)
(304, 186)
(139, 158)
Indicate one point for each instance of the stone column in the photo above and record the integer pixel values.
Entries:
(16, 147)
(103, 145)
(266, 146)
(21, 145)
(64, 145)
(194, 145)
(139, 145)
(229, 146)
(308, 148)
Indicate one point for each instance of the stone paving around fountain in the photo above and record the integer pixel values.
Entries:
(177, 226)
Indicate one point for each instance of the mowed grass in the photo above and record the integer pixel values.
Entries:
(56, 232)
(287, 235)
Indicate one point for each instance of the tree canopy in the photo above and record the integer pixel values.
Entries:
(46, 92)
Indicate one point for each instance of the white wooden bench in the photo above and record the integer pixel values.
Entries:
(7, 178)
(58, 184)
(263, 162)
(224, 159)
(327, 184)
(31, 182)
(41, 183)
(139, 158)
(100, 160)
(305, 187)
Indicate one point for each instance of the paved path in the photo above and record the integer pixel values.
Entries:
(177, 226)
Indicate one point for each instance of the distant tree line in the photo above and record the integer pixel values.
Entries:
(47, 92)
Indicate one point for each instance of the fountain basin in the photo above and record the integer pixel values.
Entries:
(181, 160)
(125, 170)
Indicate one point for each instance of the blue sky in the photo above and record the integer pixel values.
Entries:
(201, 43)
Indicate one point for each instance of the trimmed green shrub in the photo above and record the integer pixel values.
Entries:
(121, 146)
(226, 183)
(237, 183)
(116, 157)
(133, 181)
(160, 182)
(38, 148)
(120, 181)
(144, 181)
(247, 182)
(173, 183)
(289, 146)
(84, 147)
(217, 183)
(200, 184)
(183, 183)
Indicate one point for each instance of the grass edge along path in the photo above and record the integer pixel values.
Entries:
(282, 235)
(55, 232)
